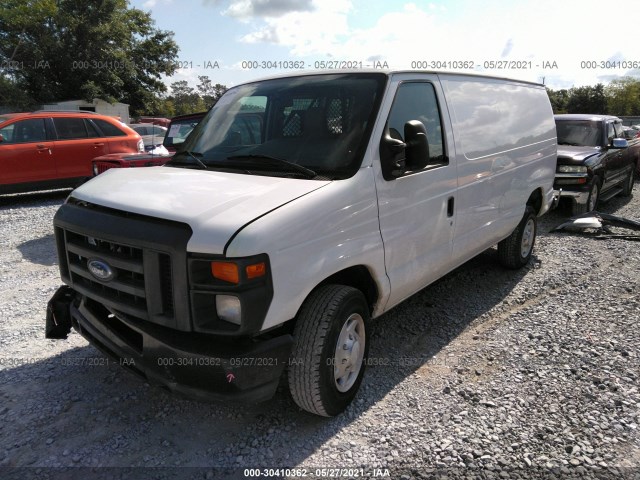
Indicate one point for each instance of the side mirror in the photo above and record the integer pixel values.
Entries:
(619, 143)
(417, 150)
(392, 156)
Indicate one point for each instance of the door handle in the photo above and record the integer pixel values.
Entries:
(450, 207)
(98, 144)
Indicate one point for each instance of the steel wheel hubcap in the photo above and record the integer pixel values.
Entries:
(528, 235)
(349, 353)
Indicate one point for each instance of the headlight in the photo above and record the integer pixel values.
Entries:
(572, 169)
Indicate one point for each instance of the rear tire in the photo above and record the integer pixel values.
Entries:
(515, 250)
(331, 343)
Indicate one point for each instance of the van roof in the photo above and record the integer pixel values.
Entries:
(389, 73)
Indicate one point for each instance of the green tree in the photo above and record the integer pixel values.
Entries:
(558, 99)
(209, 92)
(587, 99)
(185, 99)
(623, 97)
(64, 49)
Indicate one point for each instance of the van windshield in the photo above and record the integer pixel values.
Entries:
(318, 122)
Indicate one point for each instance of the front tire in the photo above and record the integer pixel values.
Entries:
(515, 250)
(331, 343)
(628, 184)
(592, 201)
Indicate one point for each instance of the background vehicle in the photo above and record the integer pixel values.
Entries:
(149, 129)
(298, 209)
(163, 122)
(595, 162)
(49, 149)
(155, 153)
(630, 133)
(180, 128)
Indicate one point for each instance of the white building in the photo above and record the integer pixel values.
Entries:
(116, 110)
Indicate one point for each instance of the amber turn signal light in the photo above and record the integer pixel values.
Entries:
(226, 271)
(256, 270)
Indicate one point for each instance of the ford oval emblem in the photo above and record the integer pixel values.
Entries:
(101, 270)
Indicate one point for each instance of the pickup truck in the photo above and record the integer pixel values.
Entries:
(300, 208)
(595, 161)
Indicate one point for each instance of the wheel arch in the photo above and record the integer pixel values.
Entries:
(359, 277)
(535, 200)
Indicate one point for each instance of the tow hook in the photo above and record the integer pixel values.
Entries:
(58, 323)
(556, 200)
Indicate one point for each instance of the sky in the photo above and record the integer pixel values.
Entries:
(561, 43)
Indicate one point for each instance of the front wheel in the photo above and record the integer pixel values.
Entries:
(592, 201)
(515, 250)
(331, 342)
(628, 184)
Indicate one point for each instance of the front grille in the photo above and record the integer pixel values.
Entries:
(166, 283)
(102, 167)
(127, 289)
(144, 259)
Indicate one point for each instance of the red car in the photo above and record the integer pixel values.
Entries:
(53, 149)
(179, 129)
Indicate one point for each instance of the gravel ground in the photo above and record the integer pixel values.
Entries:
(487, 373)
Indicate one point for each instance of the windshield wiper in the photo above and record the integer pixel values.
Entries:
(571, 144)
(193, 156)
(307, 172)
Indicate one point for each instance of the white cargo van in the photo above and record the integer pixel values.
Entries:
(300, 208)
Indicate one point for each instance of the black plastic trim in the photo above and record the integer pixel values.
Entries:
(199, 366)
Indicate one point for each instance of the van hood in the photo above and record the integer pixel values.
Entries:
(214, 204)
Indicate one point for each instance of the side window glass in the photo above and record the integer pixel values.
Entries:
(108, 129)
(417, 101)
(70, 128)
(25, 131)
(618, 130)
(93, 133)
(610, 133)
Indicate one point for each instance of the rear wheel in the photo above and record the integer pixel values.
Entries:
(331, 342)
(515, 250)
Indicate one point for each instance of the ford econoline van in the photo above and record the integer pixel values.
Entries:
(300, 208)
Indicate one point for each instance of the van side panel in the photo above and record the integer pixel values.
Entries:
(505, 142)
(416, 225)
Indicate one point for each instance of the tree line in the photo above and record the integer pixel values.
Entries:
(53, 50)
(621, 97)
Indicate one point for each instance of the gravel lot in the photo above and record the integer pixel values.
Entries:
(488, 373)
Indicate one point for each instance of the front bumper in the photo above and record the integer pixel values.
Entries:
(580, 198)
(575, 186)
(196, 365)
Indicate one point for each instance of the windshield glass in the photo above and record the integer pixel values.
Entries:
(580, 133)
(320, 122)
(180, 129)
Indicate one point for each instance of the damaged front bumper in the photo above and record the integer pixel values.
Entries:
(199, 366)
